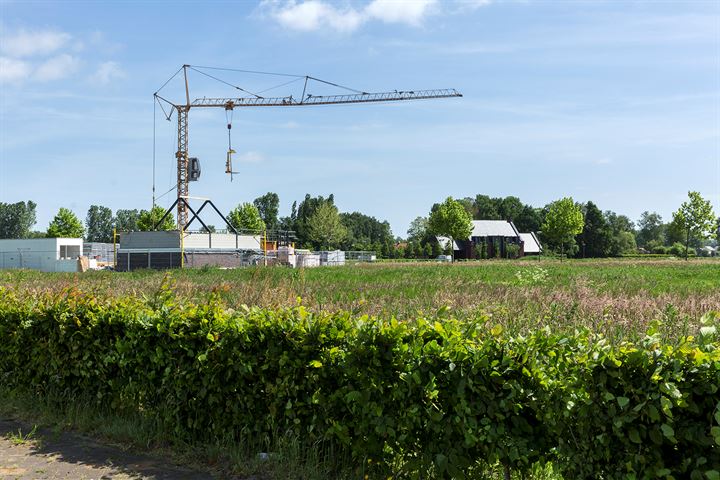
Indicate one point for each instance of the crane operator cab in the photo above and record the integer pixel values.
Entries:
(194, 169)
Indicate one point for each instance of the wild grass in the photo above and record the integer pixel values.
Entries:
(618, 296)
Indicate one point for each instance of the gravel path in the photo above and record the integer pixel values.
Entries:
(50, 455)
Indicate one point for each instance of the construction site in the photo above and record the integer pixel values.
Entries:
(195, 243)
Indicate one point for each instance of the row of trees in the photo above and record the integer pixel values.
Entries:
(571, 228)
(582, 230)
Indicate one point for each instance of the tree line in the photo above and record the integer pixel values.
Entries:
(574, 229)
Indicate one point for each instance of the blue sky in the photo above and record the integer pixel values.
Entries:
(614, 102)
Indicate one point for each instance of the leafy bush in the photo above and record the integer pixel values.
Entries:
(435, 396)
(512, 250)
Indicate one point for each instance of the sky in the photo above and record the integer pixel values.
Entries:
(617, 102)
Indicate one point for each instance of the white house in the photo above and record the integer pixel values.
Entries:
(44, 254)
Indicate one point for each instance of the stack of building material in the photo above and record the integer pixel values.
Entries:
(335, 257)
(307, 259)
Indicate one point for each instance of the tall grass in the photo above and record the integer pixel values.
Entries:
(619, 297)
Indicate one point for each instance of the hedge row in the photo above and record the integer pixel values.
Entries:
(433, 396)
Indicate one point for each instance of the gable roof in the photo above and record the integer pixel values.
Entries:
(531, 243)
(493, 228)
(445, 241)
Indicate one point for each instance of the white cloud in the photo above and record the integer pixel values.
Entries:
(29, 43)
(56, 68)
(13, 70)
(107, 72)
(399, 11)
(315, 14)
(312, 15)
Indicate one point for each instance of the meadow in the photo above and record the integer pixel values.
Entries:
(619, 297)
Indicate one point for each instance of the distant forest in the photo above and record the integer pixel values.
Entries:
(317, 224)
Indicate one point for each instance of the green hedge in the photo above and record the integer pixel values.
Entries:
(434, 396)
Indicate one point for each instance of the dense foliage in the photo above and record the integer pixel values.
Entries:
(435, 395)
(16, 219)
(65, 224)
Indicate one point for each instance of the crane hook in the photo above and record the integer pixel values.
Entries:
(228, 160)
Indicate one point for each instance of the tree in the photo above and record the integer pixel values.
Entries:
(624, 242)
(16, 219)
(486, 208)
(99, 224)
(65, 224)
(623, 234)
(246, 217)
(696, 218)
(596, 236)
(126, 220)
(450, 219)
(650, 228)
(305, 210)
(364, 232)
(147, 219)
(324, 228)
(529, 220)
(468, 204)
(510, 208)
(268, 206)
(418, 229)
(563, 221)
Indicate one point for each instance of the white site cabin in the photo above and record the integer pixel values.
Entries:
(44, 254)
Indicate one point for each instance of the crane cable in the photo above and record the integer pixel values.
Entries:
(153, 155)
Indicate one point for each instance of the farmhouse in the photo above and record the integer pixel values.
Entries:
(494, 238)
(44, 254)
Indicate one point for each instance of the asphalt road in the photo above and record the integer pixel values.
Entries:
(53, 455)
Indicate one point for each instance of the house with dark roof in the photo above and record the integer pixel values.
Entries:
(492, 238)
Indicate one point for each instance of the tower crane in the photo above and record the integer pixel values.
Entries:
(184, 167)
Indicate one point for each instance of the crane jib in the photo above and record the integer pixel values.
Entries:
(324, 99)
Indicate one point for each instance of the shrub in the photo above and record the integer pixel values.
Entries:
(435, 396)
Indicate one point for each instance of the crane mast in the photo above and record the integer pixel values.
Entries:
(229, 103)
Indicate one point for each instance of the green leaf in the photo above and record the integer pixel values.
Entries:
(634, 436)
(666, 406)
(623, 401)
(668, 431)
(316, 364)
(715, 432)
(210, 337)
(712, 475)
(707, 331)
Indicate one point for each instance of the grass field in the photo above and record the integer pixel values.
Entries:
(619, 297)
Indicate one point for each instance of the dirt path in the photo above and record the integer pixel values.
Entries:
(54, 455)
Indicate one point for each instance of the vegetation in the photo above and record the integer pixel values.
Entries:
(695, 217)
(16, 219)
(246, 217)
(65, 224)
(619, 297)
(99, 223)
(563, 221)
(148, 220)
(324, 228)
(451, 220)
(604, 234)
(437, 397)
(268, 207)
